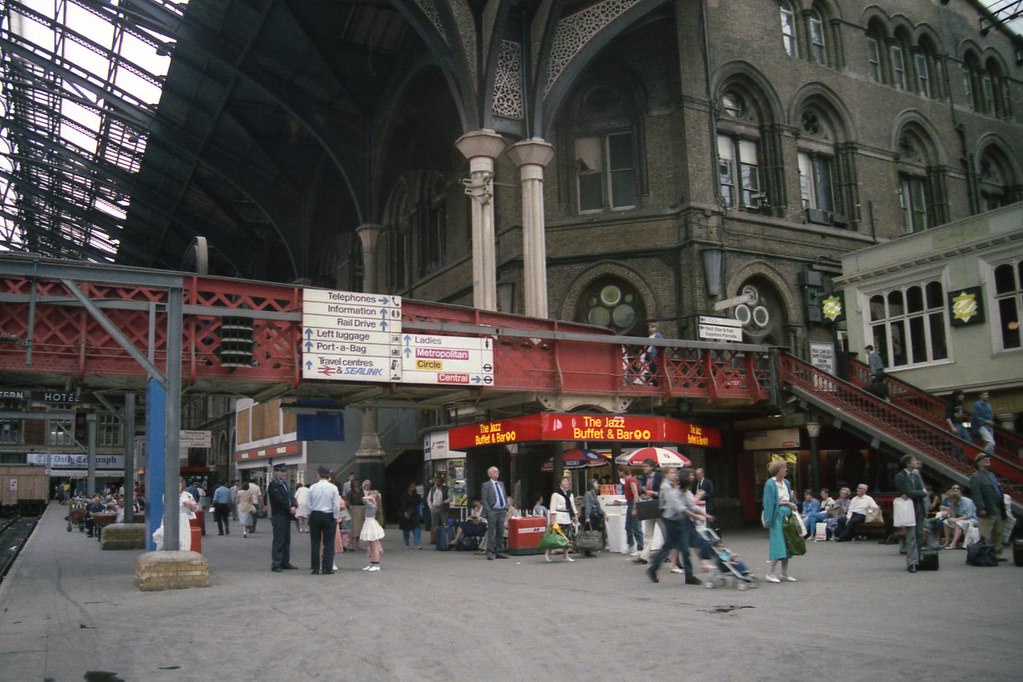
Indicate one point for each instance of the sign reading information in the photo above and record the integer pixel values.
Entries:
(351, 336)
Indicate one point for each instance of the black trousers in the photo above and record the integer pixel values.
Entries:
(222, 513)
(321, 534)
(280, 548)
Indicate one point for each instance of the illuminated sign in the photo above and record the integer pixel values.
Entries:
(583, 427)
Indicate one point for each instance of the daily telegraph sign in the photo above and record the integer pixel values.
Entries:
(75, 461)
(583, 427)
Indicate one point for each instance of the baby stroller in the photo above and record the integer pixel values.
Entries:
(725, 566)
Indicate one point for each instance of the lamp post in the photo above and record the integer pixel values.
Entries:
(813, 429)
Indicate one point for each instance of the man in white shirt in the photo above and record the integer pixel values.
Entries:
(324, 503)
(859, 507)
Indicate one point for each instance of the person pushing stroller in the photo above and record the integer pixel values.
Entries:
(725, 564)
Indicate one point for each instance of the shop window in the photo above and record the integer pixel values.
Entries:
(908, 325)
(1009, 303)
(788, 29)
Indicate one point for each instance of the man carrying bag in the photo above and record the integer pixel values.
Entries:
(909, 483)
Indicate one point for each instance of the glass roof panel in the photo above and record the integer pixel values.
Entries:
(65, 151)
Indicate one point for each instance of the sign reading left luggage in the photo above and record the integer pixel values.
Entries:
(351, 336)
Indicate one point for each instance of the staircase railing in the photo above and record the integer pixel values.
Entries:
(1008, 444)
(902, 428)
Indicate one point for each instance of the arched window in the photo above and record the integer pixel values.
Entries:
(1008, 280)
(612, 302)
(788, 29)
(898, 53)
(606, 151)
(922, 195)
(751, 166)
(875, 41)
(997, 184)
(815, 34)
(926, 68)
(739, 179)
(907, 324)
(396, 241)
(816, 163)
(973, 89)
(996, 90)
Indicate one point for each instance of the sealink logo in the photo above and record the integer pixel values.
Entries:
(832, 308)
(964, 306)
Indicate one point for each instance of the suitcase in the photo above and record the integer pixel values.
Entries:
(1017, 552)
(444, 538)
(928, 560)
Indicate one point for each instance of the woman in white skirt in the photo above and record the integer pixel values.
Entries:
(246, 508)
(372, 531)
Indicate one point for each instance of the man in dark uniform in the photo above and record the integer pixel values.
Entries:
(282, 509)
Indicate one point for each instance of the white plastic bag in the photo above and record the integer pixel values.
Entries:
(904, 512)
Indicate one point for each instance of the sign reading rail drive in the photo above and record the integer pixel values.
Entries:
(351, 336)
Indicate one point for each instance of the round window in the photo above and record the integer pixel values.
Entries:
(613, 303)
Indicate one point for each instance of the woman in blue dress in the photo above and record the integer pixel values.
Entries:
(778, 506)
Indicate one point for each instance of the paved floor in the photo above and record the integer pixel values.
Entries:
(70, 610)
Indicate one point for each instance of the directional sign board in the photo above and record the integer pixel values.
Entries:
(719, 329)
(465, 360)
(351, 336)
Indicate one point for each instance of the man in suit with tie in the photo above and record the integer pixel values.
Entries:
(495, 508)
(282, 509)
(911, 485)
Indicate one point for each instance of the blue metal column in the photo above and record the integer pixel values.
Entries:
(156, 399)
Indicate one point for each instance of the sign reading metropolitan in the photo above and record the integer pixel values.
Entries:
(354, 336)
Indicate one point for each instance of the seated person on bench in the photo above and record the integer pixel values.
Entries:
(95, 506)
(473, 527)
(962, 515)
(860, 507)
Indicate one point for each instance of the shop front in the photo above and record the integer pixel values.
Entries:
(535, 451)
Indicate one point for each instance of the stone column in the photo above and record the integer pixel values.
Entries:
(369, 456)
(531, 156)
(481, 147)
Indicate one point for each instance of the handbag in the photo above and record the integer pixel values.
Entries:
(648, 509)
(903, 513)
(589, 541)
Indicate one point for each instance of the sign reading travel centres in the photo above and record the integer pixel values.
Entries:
(585, 427)
(351, 336)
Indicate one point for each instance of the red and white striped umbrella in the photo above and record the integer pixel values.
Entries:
(662, 457)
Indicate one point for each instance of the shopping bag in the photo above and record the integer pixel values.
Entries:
(903, 512)
(589, 541)
(820, 532)
(553, 539)
(793, 532)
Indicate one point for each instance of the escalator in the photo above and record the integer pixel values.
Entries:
(907, 428)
